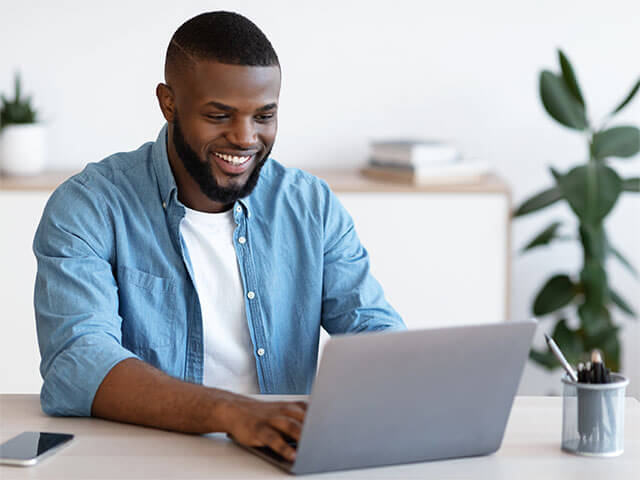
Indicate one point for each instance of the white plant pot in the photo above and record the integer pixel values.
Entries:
(22, 149)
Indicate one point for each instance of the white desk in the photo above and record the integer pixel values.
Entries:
(102, 449)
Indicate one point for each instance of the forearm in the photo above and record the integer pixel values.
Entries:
(135, 392)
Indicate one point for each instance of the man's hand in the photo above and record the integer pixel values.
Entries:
(272, 424)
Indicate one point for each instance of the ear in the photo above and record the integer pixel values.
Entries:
(164, 93)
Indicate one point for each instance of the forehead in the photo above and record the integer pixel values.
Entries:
(235, 85)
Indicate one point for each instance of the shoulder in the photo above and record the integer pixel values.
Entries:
(287, 180)
(114, 170)
(98, 180)
(306, 196)
(81, 205)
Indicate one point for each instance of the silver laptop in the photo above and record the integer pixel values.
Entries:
(400, 397)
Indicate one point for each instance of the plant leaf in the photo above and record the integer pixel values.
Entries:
(591, 198)
(560, 103)
(596, 341)
(544, 237)
(569, 77)
(545, 358)
(624, 306)
(539, 201)
(569, 341)
(594, 241)
(620, 142)
(17, 83)
(594, 318)
(611, 349)
(624, 103)
(631, 184)
(556, 293)
(623, 260)
(18, 111)
(593, 279)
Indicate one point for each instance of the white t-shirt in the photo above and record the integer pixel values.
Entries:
(229, 362)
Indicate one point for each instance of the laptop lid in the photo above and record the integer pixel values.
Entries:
(399, 397)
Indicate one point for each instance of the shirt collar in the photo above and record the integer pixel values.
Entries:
(166, 180)
(244, 202)
(164, 175)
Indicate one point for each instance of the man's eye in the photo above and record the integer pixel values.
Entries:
(265, 116)
(218, 116)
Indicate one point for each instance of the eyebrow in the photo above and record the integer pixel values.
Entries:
(227, 108)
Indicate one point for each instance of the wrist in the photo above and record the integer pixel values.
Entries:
(222, 410)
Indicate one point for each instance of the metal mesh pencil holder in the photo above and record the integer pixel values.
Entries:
(593, 417)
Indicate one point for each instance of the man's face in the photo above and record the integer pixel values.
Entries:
(224, 125)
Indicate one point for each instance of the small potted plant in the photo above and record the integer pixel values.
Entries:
(22, 149)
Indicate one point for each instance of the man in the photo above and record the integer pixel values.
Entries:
(175, 278)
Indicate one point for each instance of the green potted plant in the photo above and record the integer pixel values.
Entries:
(591, 190)
(21, 137)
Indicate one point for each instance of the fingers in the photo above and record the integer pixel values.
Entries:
(275, 442)
(289, 426)
(298, 404)
(294, 410)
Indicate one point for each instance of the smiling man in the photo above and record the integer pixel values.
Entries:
(175, 279)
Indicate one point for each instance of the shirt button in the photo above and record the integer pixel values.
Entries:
(238, 209)
(260, 352)
(242, 240)
(251, 295)
(164, 205)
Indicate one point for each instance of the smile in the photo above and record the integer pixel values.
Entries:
(232, 159)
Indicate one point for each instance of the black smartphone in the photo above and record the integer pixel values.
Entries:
(29, 448)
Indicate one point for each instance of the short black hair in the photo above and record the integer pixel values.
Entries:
(225, 37)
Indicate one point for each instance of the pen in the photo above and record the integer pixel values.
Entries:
(563, 361)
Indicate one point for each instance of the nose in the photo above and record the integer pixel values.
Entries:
(243, 133)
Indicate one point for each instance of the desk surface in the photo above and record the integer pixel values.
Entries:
(102, 449)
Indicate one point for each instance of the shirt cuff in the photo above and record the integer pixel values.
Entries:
(72, 380)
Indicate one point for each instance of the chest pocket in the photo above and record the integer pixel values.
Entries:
(148, 310)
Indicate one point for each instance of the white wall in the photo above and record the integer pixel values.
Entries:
(465, 71)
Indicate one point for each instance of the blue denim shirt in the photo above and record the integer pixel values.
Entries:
(115, 280)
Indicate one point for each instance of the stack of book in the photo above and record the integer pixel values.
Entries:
(421, 162)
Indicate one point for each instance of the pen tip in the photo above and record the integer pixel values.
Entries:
(547, 337)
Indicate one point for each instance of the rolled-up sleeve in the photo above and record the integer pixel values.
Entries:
(353, 300)
(75, 299)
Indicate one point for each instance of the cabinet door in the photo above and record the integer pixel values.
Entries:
(20, 214)
(441, 258)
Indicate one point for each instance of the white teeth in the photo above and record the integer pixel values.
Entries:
(232, 159)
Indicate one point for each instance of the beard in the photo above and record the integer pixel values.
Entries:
(200, 171)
